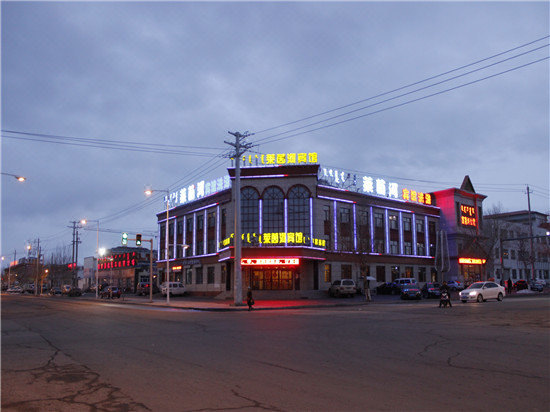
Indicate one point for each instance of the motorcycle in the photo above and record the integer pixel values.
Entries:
(444, 299)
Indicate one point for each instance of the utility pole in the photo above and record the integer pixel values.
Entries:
(240, 148)
(37, 268)
(76, 241)
(531, 256)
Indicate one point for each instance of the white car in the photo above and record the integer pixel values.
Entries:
(481, 291)
(341, 287)
(176, 288)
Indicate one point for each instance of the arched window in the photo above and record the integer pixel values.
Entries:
(250, 214)
(273, 214)
(298, 210)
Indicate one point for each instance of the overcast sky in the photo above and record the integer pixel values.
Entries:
(185, 74)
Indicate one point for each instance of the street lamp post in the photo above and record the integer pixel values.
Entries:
(17, 177)
(84, 221)
(149, 192)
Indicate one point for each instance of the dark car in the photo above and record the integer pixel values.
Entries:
(411, 291)
(431, 290)
(110, 292)
(143, 288)
(75, 292)
(388, 288)
(536, 286)
(521, 284)
(55, 291)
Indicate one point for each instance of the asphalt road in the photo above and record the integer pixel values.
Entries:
(76, 355)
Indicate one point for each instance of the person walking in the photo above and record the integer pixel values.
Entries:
(249, 299)
(366, 288)
(509, 291)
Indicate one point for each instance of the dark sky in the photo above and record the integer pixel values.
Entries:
(166, 75)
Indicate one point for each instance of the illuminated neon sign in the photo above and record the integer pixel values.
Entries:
(295, 238)
(471, 261)
(279, 159)
(271, 262)
(122, 260)
(468, 215)
(367, 184)
(419, 197)
(198, 191)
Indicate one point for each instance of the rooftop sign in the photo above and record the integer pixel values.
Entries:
(198, 190)
(275, 159)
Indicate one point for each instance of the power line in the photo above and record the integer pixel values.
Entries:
(403, 87)
(271, 138)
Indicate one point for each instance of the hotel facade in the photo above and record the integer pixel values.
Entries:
(304, 226)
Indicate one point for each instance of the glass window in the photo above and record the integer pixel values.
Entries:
(393, 222)
(273, 210)
(298, 209)
(394, 247)
(346, 271)
(380, 273)
(408, 248)
(189, 276)
(420, 226)
(379, 220)
(210, 272)
(198, 276)
(422, 274)
(250, 212)
(328, 272)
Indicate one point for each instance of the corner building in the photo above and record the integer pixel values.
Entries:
(302, 227)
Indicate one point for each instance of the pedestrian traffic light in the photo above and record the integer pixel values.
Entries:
(138, 240)
(125, 238)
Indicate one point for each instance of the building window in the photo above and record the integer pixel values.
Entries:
(250, 213)
(298, 210)
(394, 247)
(422, 274)
(198, 276)
(409, 273)
(379, 220)
(408, 248)
(346, 271)
(419, 226)
(328, 273)
(420, 250)
(513, 253)
(363, 232)
(380, 273)
(379, 246)
(273, 210)
(395, 272)
(344, 234)
(327, 225)
(407, 223)
(392, 221)
(189, 276)
(210, 272)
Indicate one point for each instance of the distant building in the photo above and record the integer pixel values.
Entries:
(123, 266)
(512, 257)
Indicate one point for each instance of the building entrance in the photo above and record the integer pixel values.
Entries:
(269, 278)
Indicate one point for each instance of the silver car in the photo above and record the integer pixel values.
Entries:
(481, 291)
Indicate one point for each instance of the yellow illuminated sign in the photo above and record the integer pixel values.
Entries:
(279, 159)
(471, 261)
(276, 238)
(419, 197)
(468, 215)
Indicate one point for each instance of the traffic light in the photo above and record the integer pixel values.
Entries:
(125, 238)
(138, 240)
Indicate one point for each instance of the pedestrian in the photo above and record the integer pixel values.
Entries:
(366, 288)
(249, 299)
(444, 289)
(509, 291)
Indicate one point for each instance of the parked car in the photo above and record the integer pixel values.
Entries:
(411, 291)
(15, 289)
(481, 291)
(176, 288)
(388, 288)
(521, 284)
(431, 290)
(455, 285)
(536, 286)
(55, 291)
(342, 287)
(75, 292)
(110, 292)
(28, 288)
(404, 281)
(143, 288)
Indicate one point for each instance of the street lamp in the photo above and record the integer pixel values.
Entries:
(17, 177)
(149, 192)
(85, 221)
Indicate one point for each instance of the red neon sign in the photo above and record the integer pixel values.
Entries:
(471, 261)
(271, 262)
